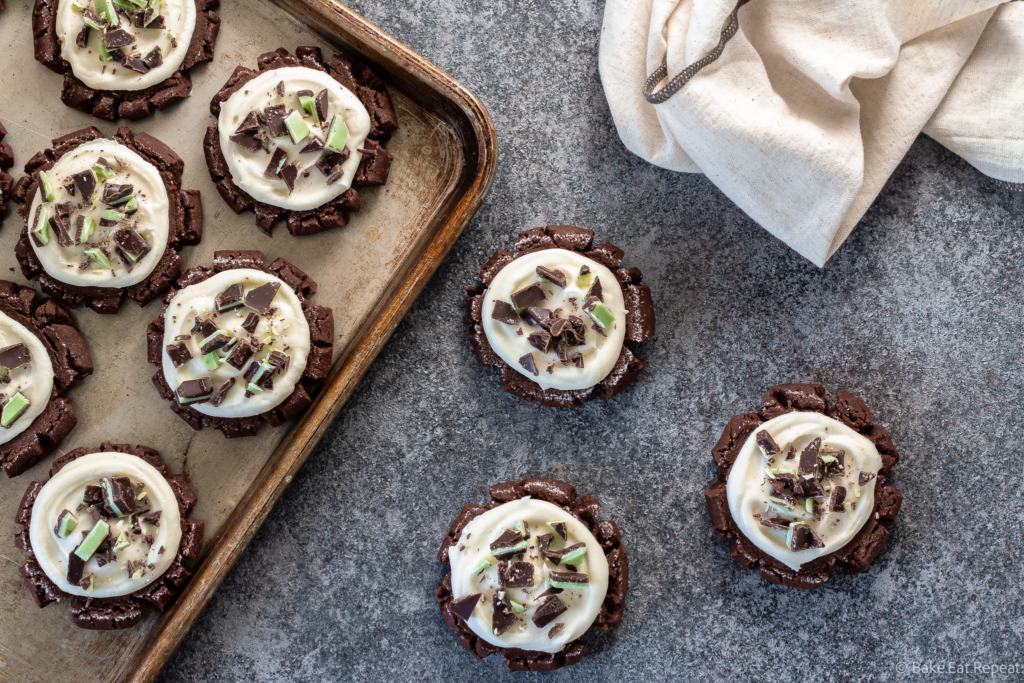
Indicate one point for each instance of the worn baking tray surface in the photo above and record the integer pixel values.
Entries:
(369, 272)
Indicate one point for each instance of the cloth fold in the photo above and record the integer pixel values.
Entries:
(800, 110)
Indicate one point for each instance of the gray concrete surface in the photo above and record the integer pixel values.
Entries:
(919, 313)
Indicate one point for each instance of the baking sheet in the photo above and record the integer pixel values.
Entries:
(354, 266)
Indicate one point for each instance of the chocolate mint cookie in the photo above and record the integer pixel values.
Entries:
(109, 532)
(105, 217)
(296, 136)
(240, 345)
(531, 573)
(42, 355)
(802, 487)
(557, 317)
(6, 161)
(124, 59)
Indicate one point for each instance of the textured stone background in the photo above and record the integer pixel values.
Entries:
(919, 313)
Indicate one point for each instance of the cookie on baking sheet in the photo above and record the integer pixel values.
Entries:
(105, 217)
(801, 486)
(531, 572)
(124, 58)
(557, 317)
(296, 136)
(240, 345)
(108, 532)
(6, 161)
(42, 356)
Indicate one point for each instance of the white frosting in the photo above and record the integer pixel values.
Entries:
(311, 190)
(152, 220)
(34, 381)
(747, 487)
(65, 490)
(474, 545)
(600, 352)
(287, 323)
(173, 41)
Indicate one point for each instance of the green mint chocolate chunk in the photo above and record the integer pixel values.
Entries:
(13, 409)
(509, 550)
(568, 580)
(559, 528)
(102, 171)
(122, 541)
(522, 528)
(211, 360)
(600, 315)
(481, 566)
(809, 506)
(104, 55)
(88, 228)
(296, 125)
(516, 606)
(112, 215)
(584, 280)
(253, 389)
(42, 230)
(95, 254)
(92, 540)
(46, 187)
(574, 555)
(337, 134)
(308, 103)
(132, 205)
(66, 523)
(90, 21)
(106, 9)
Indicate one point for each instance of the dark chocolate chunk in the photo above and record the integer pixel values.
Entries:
(315, 144)
(76, 567)
(575, 334)
(548, 611)
(554, 276)
(503, 618)
(808, 487)
(809, 458)
(836, 500)
(561, 529)
(568, 577)
(250, 322)
(801, 538)
(515, 574)
(527, 363)
(280, 88)
(275, 116)
(93, 495)
(289, 174)
(544, 548)
(766, 443)
(62, 226)
(204, 327)
(277, 161)
(118, 496)
(537, 316)
(136, 64)
(508, 543)
(131, 243)
(463, 607)
(837, 467)
(503, 312)
(218, 397)
(558, 327)
(193, 390)
(775, 523)
(278, 359)
(330, 162)
(321, 105)
(230, 297)
(218, 341)
(596, 291)
(250, 125)
(15, 356)
(116, 39)
(559, 626)
(259, 298)
(247, 142)
(86, 183)
(153, 519)
(540, 340)
(154, 58)
(527, 296)
(864, 478)
(178, 353)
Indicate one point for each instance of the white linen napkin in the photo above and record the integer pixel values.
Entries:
(799, 110)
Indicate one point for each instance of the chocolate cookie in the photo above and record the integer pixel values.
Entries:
(286, 117)
(69, 364)
(496, 570)
(126, 516)
(820, 471)
(582, 348)
(123, 80)
(6, 161)
(232, 367)
(131, 234)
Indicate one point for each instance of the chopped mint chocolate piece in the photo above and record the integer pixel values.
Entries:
(122, 541)
(250, 125)
(503, 618)
(218, 339)
(203, 326)
(809, 458)
(517, 607)
(463, 607)
(834, 464)
(766, 443)
(219, 395)
(600, 314)
(808, 487)
(92, 20)
(240, 354)
(554, 276)
(573, 553)
(211, 360)
(836, 501)
(250, 143)
(296, 125)
(503, 312)
(13, 409)
(560, 528)
(275, 116)
(527, 296)
(315, 144)
(308, 103)
(528, 364)
(250, 323)
(107, 10)
(85, 228)
(178, 353)
(289, 174)
(569, 580)
(66, 523)
(76, 567)
(116, 39)
(134, 245)
(86, 184)
(515, 574)
(92, 540)
(118, 496)
(259, 298)
(481, 566)
(596, 291)
(548, 611)
(800, 537)
(278, 359)
(321, 105)
(277, 161)
(508, 543)
(45, 187)
(14, 356)
(114, 193)
(195, 390)
(775, 523)
(111, 216)
(540, 340)
(41, 231)
(230, 297)
(337, 134)
(864, 477)
(585, 277)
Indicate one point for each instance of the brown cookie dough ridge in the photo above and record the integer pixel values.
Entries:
(373, 170)
(186, 222)
(858, 554)
(107, 614)
(639, 315)
(6, 161)
(318, 363)
(71, 364)
(129, 104)
(584, 508)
